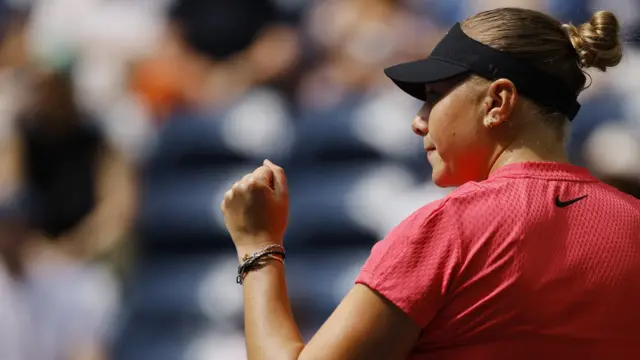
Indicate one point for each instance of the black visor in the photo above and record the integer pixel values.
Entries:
(458, 54)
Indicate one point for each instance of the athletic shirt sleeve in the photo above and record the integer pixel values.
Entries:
(416, 263)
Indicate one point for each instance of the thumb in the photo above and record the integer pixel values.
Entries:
(280, 179)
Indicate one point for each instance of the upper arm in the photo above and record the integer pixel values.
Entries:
(114, 210)
(10, 163)
(364, 326)
(116, 185)
(401, 287)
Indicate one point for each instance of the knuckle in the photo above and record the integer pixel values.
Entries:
(275, 166)
(277, 169)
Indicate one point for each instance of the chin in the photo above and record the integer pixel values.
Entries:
(442, 179)
(439, 179)
(440, 183)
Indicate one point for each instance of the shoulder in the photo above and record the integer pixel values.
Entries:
(446, 210)
(489, 195)
(622, 192)
(416, 264)
(440, 228)
(449, 224)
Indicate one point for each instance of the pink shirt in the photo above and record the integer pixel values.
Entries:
(507, 269)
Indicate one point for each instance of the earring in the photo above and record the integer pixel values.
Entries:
(490, 122)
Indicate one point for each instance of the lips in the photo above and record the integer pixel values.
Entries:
(429, 151)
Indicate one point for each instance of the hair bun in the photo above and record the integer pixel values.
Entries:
(597, 42)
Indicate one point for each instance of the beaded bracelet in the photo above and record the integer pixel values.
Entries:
(257, 260)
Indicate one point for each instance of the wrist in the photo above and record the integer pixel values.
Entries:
(250, 249)
(256, 260)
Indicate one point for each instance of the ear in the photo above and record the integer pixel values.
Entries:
(499, 103)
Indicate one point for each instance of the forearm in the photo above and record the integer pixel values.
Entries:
(94, 352)
(115, 210)
(271, 332)
(11, 164)
(101, 230)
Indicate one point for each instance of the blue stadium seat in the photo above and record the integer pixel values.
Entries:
(181, 209)
(329, 136)
(180, 212)
(326, 202)
(174, 299)
(317, 280)
(191, 141)
(167, 287)
(573, 11)
(149, 346)
(254, 127)
(319, 215)
(597, 110)
(165, 311)
(363, 128)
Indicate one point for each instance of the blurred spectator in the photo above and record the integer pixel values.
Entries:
(212, 53)
(81, 205)
(14, 323)
(83, 190)
(81, 186)
(14, 229)
(50, 307)
(353, 40)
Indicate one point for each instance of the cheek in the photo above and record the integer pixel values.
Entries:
(452, 131)
(458, 138)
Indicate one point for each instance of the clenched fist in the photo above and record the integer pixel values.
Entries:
(256, 209)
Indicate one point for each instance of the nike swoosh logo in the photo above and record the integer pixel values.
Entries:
(562, 204)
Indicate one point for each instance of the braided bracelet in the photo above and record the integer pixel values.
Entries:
(257, 260)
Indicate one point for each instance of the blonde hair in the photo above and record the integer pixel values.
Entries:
(561, 50)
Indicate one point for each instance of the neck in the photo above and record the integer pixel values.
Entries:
(531, 148)
(526, 155)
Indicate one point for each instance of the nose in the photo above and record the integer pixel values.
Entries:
(420, 126)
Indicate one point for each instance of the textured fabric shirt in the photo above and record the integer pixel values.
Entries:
(511, 268)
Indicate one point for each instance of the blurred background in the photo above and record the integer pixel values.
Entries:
(122, 123)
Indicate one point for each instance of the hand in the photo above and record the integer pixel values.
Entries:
(256, 209)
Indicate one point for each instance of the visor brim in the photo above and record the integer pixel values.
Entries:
(411, 77)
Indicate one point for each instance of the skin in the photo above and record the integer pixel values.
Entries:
(13, 233)
(470, 129)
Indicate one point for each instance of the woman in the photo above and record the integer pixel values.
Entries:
(80, 204)
(529, 258)
(82, 188)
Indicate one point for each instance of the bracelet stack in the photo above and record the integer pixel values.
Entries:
(258, 260)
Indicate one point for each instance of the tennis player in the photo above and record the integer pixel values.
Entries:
(529, 258)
